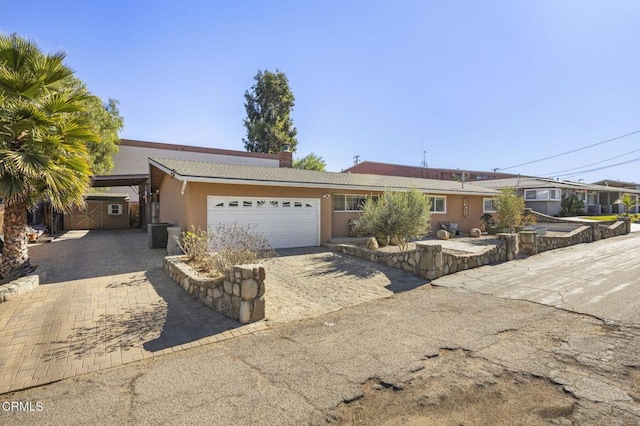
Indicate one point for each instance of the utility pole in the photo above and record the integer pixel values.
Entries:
(356, 160)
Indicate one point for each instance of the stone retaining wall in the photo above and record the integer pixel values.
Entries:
(531, 243)
(239, 296)
(543, 218)
(432, 261)
(18, 286)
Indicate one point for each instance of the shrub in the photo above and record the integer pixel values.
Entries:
(629, 202)
(223, 246)
(509, 207)
(404, 215)
(571, 205)
(195, 245)
(234, 244)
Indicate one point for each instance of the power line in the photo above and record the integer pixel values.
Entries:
(599, 168)
(591, 164)
(569, 152)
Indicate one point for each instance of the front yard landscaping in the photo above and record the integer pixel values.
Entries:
(611, 218)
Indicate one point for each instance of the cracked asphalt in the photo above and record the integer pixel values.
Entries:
(307, 371)
(599, 279)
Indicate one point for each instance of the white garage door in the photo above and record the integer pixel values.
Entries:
(286, 222)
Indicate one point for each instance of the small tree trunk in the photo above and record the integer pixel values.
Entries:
(15, 253)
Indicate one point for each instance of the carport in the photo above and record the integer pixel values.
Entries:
(139, 180)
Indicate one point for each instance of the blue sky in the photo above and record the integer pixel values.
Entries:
(476, 84)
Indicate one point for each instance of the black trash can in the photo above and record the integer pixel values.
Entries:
(158, 234)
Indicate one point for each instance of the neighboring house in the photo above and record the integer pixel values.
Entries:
(294, 208)
(374, 168)
(544, 195)
(623, 186)
(132, 158)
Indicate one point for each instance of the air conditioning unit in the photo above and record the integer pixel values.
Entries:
(115, 209)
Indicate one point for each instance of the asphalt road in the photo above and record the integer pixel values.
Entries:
(600, 279)
(298, 373)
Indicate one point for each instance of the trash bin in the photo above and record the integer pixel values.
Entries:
(173, 237)
(157, 233)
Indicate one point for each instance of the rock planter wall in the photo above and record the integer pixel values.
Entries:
(432, 261)
(239, 296)
(531, 243)
(18, 286)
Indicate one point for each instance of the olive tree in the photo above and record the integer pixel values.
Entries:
(404, 215)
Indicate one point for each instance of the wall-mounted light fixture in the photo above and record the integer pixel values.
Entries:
(326, 195)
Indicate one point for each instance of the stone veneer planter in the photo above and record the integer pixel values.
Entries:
(239, 296)
(19, 286)
(531, 243)
(431, 261)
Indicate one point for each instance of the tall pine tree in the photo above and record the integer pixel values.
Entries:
(269, 104)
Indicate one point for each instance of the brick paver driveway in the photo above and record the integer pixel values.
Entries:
(106, 301)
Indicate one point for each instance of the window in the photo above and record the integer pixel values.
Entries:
(543, 194)
(348, 203)
(488, 205)
(438, 204)
(115, 209)
(592, 198)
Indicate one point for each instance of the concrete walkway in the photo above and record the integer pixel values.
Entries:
(106, 301)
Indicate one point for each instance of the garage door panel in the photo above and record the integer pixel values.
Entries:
(286, 222)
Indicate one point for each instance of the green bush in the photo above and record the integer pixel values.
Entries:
(629, 202)
(571, 205)
(195, 245)
(404, 215)
(509, 207)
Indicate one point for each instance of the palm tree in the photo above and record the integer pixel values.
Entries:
(43, 142)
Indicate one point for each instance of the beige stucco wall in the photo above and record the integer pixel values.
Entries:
(191, 207)
(173, 206)
(465, 218)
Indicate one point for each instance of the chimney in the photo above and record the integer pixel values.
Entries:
(285, 156)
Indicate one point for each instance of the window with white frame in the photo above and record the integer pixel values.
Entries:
(542, 194)
(348, 203)
(488, 205)
(115, 209)
(592, 197)
(438, 204)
